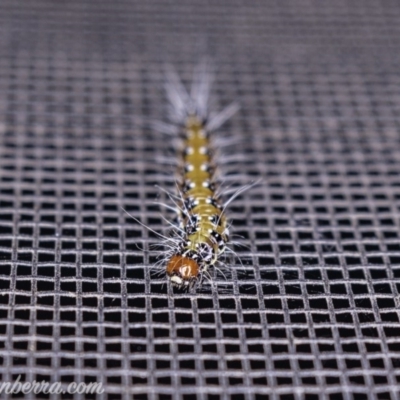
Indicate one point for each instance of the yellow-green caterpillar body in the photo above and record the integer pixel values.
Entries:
(203, 232)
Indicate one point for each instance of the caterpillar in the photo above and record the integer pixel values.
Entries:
(202, 234)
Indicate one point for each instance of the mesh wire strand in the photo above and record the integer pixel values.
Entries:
(313, 312)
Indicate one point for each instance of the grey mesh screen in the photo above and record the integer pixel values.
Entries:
(310, 309)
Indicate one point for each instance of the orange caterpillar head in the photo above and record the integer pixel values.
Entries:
(182, 271)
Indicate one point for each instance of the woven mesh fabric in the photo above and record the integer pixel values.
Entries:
(311, 308)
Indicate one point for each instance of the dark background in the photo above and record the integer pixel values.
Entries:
(313, 312)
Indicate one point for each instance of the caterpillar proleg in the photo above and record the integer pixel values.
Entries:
(202, 235)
